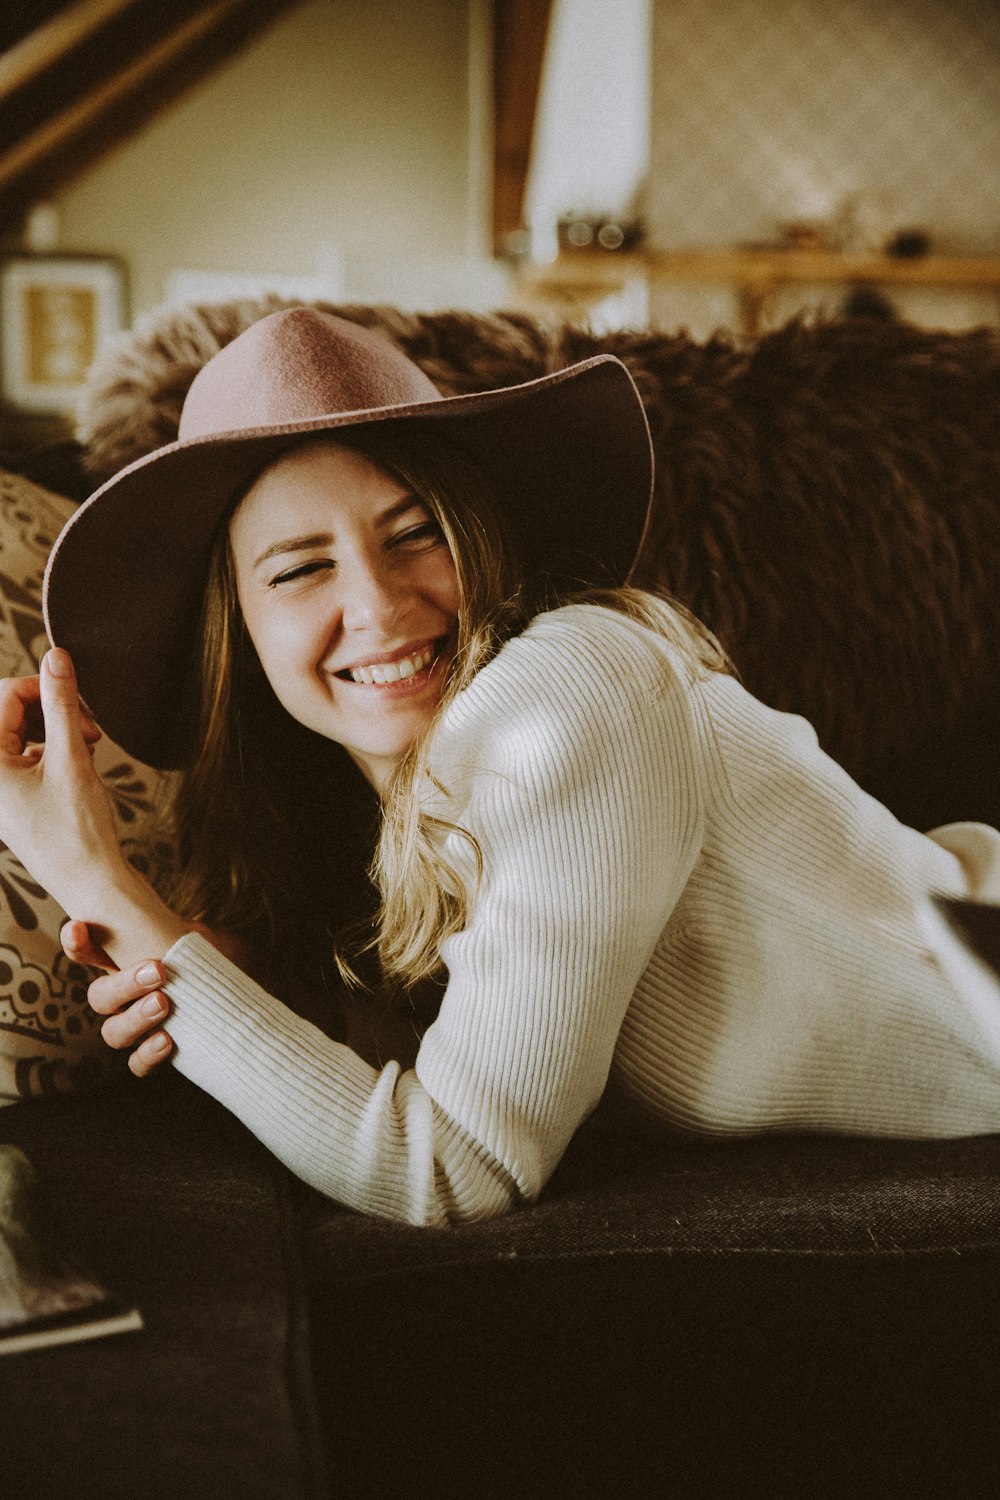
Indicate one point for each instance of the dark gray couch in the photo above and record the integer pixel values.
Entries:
(789, 1317)
(795, 1318)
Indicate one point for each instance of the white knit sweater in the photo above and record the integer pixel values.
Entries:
(680, 890)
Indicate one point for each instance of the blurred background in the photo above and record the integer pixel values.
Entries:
(685, 163)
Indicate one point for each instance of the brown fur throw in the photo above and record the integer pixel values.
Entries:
(828, 501)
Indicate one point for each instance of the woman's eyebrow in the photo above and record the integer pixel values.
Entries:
(326, 538)
(398, 508)
(295, 544)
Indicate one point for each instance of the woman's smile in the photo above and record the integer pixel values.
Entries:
(350, 598)
(411, 665)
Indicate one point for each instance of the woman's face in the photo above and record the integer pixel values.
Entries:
(350, 597)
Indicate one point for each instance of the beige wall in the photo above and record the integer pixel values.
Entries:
(865, 117)
(346, 127)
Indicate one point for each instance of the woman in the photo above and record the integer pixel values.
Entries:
(642, 885)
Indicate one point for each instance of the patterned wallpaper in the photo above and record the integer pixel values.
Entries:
(865, 117)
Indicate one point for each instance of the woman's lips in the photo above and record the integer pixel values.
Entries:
(406, 664)
(403, 676)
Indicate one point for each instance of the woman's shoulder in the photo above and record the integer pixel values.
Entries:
(576, 654)
(613, 645)
(579, 681)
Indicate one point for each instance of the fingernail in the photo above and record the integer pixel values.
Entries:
(147, 974)
(159, 1043)
(58, 662)
(152, 1006)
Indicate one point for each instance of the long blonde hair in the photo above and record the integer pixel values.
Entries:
(417, 897)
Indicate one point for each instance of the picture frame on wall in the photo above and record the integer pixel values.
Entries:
(56, 313)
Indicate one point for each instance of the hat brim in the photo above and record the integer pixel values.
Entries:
(568, 456)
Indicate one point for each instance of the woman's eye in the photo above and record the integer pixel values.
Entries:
(303, 570)
(427, 534)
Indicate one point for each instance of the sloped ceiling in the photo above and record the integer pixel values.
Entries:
(76, 79)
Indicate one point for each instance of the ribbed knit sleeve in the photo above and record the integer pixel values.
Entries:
(569, 763)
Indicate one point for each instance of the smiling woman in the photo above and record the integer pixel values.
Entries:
(423, 723)
(353, 616)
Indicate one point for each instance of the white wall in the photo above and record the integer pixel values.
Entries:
(591, 147)
(336, 148)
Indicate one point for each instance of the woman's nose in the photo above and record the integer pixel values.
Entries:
(372, 596)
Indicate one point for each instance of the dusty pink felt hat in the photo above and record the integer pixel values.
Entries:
(568, 458)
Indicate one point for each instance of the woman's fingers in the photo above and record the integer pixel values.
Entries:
(64, 740)
(153, 1051)
(128, 1027)
(22, 721)
(111, 992)
(135, 1009)
(80, 945)
(20, 711)
(91, 732)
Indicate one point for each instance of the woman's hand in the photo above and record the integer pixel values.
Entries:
(131, 999)
(22, 723)
(54, 811)
(56, 817)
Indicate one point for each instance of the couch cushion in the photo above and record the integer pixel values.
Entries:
(614, 1197)
(785, 1317)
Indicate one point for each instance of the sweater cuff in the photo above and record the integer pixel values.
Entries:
(241, 1044)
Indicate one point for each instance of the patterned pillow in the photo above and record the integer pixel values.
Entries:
(50, 1040)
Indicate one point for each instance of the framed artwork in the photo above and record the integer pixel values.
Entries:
(56, 311)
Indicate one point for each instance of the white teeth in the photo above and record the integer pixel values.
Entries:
(393, 671)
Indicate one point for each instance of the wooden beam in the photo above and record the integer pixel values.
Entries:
(520, 32)
(62, 127)
(53, 40)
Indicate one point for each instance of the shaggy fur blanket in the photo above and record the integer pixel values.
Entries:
(827, 501)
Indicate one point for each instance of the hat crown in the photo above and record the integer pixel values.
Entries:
(295, 366)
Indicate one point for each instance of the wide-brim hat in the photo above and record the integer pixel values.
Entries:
(567, 457)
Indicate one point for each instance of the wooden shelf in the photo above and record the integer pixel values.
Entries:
(578, 281)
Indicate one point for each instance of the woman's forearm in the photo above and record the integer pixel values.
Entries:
(129, 919)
